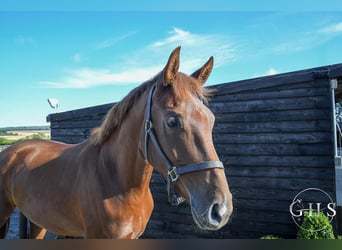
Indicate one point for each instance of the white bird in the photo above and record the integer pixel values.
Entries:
(53, 102)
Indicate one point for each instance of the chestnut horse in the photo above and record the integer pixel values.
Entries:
(100, 187)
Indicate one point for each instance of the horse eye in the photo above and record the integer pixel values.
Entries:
(173, 122)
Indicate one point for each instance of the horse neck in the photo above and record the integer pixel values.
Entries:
(123, 151)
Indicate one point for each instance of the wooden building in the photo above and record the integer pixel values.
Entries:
(276, 136)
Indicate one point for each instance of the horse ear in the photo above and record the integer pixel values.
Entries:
(203, 73)
(172, 66)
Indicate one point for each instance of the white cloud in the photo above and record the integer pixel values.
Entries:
(332, 29)
(271, 71)
(177, 36)
(198, 47)
(141, 65)
(87, 78)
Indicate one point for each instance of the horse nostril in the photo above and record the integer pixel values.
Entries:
(216, 214)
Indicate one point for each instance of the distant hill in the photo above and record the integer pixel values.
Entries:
(25, 128)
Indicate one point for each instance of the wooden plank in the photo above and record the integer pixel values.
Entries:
(281, 172)
(281, 229)
(69, 140)
(70, 124)
(314, 102)
(279, 183)
(270, 127)
(274, 115)
(263, 206)
(283, 217)
(186, 230)
(276, 137)
(274, 160)
(272, 94)
(77, 132)
(335, 71)
(262, 194)
(313, 84)
(185, 219)
(272, 81)
(274, 149)
(266, 196)
(164, 207)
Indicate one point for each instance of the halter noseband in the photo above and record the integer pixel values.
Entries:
(173, 172)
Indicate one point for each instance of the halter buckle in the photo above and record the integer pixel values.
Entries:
(176, 200)
(172, 174)
(148, 125)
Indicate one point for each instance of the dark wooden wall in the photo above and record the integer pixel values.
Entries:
(274, 136)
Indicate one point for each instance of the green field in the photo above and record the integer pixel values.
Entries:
(10, 135)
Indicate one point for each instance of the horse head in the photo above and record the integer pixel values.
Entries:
(178, 142)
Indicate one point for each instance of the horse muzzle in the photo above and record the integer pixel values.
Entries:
(214, 217)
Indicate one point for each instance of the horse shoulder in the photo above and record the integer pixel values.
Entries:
(125, 216)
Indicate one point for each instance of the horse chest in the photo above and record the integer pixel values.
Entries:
(131, 228)
(128, 220)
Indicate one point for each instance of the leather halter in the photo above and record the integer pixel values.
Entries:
(173, 172)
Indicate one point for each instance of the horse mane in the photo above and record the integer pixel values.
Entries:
(116, 115)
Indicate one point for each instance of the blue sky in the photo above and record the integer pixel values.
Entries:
(86, 56)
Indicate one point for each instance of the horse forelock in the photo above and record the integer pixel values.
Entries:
(186, 86)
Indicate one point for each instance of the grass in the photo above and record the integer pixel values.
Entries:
(17, 136)
(6, 141)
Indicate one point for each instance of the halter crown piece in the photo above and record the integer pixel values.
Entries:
(173, 172)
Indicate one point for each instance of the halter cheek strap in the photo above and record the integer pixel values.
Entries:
(173, 172)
